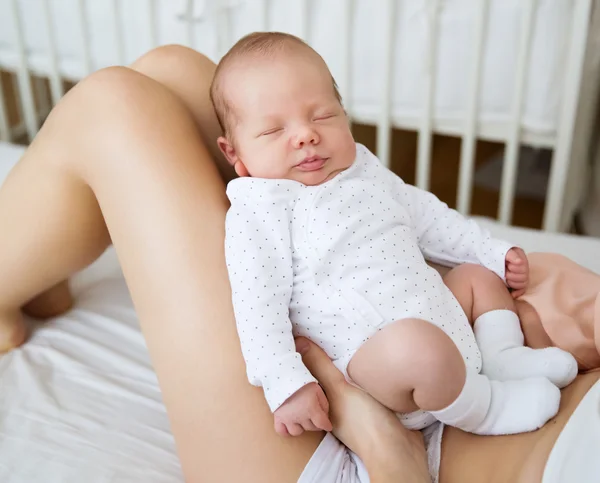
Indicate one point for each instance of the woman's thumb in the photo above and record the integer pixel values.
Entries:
(319, 364)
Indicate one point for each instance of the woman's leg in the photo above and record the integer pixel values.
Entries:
(121, 155)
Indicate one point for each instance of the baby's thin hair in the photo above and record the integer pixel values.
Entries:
(264, 44)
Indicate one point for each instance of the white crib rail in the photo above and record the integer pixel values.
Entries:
(384, 123)
(467, 148)
(220, 10)
(555, 219)
(509, 173)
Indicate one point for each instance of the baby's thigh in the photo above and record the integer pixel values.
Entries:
(474, 285)
(408, 365)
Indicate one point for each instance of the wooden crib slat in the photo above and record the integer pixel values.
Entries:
(261, 5)
(189, 23)
(467, 149)
(84, 37)
(23, 75)
(345, 81)
(56, 83)
(303, 16)
(120, 44)
(513, 142)
(384, 123)
(5, 134)
(152, 23)
(561, 160)
(425, 128)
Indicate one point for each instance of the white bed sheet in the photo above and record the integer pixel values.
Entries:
(212, 33)
(80, 401)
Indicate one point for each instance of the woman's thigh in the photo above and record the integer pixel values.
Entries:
(518, 458)
(188, 74)
(222, 425)
(133, 149)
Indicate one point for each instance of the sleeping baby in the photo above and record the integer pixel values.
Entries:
(323, 241)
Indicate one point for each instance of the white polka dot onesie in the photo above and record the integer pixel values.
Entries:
(339, 261)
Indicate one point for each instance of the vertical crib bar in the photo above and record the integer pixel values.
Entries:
(223, 31)
(116, 15)
(425, 129)
(85, 39)
(345, 86)
(553, 212)
(23, 76)
(152, 26)
(384, 125)
(41, 95)
(189, 19)
(467, 148)
(263, 14)
(303, 19)
(56, 84)
(511, 157)
(5, 134)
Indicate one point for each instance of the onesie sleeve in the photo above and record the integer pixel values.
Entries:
(259, 261)
(445, 236)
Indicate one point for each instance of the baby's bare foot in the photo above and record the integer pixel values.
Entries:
(364, 425)
(13, 330)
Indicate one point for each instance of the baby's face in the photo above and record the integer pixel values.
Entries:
(289, 123)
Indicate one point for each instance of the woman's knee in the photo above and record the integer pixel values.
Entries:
(188, 75)
(166, 59)
(115, 115)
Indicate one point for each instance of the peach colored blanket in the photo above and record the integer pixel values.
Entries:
(562, 308)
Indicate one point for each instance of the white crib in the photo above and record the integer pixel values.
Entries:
(503, 70)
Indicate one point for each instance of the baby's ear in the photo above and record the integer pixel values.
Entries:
(228, 150)
(232, 158)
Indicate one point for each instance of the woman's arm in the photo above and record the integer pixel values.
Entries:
(390, 452)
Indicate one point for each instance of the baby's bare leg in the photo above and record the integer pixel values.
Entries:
(393, 367)
(492, 311)
(412, 364)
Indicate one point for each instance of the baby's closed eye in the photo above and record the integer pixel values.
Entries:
(268, 132)
(323, 117)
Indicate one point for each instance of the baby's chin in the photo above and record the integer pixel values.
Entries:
(315, 178)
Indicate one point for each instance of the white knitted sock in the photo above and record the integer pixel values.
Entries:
(501, 407)
(500, 340)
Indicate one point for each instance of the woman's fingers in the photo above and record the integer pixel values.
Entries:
(319, 364)
(321, 420)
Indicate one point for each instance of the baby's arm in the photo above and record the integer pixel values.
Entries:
(259, 261)
(445, 236)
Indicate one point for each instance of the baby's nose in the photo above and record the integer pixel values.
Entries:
(306, 136)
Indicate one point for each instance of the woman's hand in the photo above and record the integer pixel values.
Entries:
(389, 450)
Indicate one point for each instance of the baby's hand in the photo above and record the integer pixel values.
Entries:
(305, 410)
(517, 271)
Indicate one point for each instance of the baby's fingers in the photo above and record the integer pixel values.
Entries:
(294, 429)
(320, 419)
(517, 268)
(281, 429)
(309, 426)
(517, 277)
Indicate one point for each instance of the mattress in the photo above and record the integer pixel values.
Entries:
(213, 34)
(80, 401)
